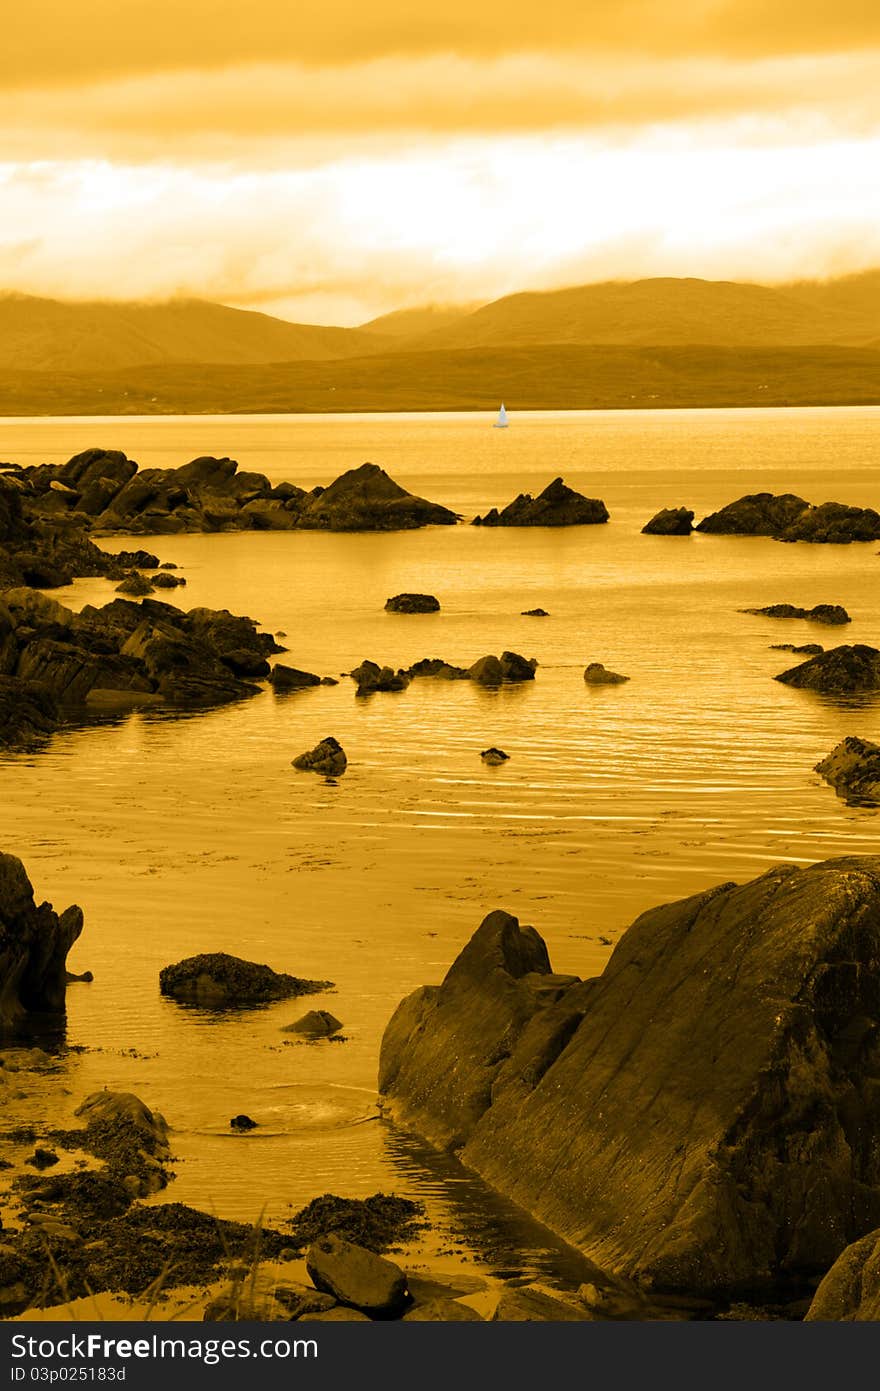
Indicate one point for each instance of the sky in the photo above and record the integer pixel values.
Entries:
(329, 161)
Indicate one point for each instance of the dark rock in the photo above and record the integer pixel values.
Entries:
(598, 675)
(42, 1158)
(844, 670)
(808, 649)
(413, 603)
(670, 521)
(28, 712)
(141, 560)
(790, 518)
(165, 580)
(215, 979)
(243, 1122)
(442, 1311)
(509, 667)
(435, 667)
(494, 756)
(379, 1222)
(337, 1313)
(284, 678)
(317, 1023)
(697, 1117)
(136, 585)
(370, 677)
(245, 1304)
(832, 614)
(327, 758)
(535, 613)
(357, 1277)
(303, 1301)
(366, 499)
(558, 505)
(34, 942)
(850, 1292)
(853, 770)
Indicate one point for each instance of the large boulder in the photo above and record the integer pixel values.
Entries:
(510, 667)
(284, 678)
(366, 499)
(28, 712)
(834, 615)
(670, 521)
(847, 670)
(850, 1292)
(216, 979)
(357, 1277)
(34, 942)
(557, 505)
(327, 758)
(699, 1117)
(853, 770)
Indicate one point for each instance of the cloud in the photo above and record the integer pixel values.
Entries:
(467, 219)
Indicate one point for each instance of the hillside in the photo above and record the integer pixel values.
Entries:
(563, 377)
(56, 335)
(415, 323)
(665, 312)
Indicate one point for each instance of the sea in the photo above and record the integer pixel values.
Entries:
(187, 833)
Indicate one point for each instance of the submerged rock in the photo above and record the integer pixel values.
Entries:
(357, 1277)
(370, 677)
(216, 979)
(243, 1123)
(693, 1118)
(808, 649)
(34, 942)
(317, 1023)
(558, 505)
(413, 603)
(848, 670)
(327, 758)
(535, 613)
(831, 614)
(494, 756)
(135, 585)
(853, 770)
(165, 580)
(597, 674)
(670, 521)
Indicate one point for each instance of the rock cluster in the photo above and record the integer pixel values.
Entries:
(853, 770)
(697, 1127)
(834, 615)
(34, 942)
(123, 653)
(218, 980)
(787, 517)
(507, 669)
(847, 670)
(558, 505)
(106, 492)
(670, 521)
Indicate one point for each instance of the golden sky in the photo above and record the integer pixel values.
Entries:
(330, 161)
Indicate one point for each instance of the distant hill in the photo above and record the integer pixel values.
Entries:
(665, 312)
(412, 323)
(55, 335)
(568, 376)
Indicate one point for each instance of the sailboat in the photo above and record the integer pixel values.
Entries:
(501, 422)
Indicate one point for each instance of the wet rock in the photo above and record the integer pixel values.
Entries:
(378, 1223)
(597, 674)
(34, 942)
(691, 1119)
(436, 667)
(526, 1304)
(787, 517)
(850, 1292)
(366, 499)
(370, 677)
(28, 712)
(413, 603)
(831, 614)
(303, 1301)
(442, 1311)
(557, 505)
(808, 649)
(853, 770)
(338, 1313)
(847, 670)
(357, 1277)
(42, 1158)
(284, 678)
(509, 667)
(327, 758)
(216, 979)
(317, 1023)
(135, 585)
(835, 523)
(164, 580)
(494, 756)
(670, 521)
(243, 1122)
(535, 613)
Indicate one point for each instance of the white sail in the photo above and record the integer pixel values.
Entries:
(501, 422)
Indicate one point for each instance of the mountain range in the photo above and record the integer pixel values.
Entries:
(655, 341)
